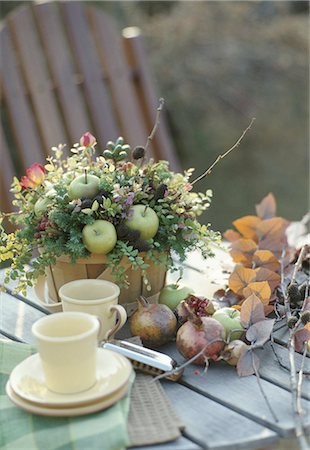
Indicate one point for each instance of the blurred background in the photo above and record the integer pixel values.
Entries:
(218, 64)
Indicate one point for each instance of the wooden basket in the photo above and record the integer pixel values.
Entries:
(96, 267)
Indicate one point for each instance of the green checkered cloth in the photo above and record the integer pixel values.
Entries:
(104, 430)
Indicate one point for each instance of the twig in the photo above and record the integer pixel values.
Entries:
(186, 363)
(296, 404)
(157, 122)
(261, 388)
(298, 263)
(300, 377)
(222, 156)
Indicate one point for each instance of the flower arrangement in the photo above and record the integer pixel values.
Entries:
(116, 204)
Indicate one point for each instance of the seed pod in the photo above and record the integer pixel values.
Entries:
(291, 321)
(160, 192)
(293, 293)
(138, 152)
(302, 291)
(305, 317)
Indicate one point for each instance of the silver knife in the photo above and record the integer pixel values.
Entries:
(145, 359)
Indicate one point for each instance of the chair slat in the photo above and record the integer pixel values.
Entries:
(113, 59)
(64, 74)
(7, 172)
(38, 80)
(149, 98)
(27, 141)
(97, 96)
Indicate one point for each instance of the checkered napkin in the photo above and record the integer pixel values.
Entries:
(104, 430)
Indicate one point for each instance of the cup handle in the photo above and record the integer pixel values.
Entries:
(121, 317)
(100, 326)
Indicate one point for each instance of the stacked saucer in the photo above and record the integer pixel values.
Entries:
(27, 389)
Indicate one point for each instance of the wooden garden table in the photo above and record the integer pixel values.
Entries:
(219, 409)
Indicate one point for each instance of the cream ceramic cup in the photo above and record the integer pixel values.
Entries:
(67, 344)
(97, 297)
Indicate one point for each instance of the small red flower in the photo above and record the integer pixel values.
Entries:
(35, 176)
(87, 140)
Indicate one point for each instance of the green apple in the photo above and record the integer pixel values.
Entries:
(230, 319)
(172, 294)
(41, 206)
(84, 186)
(99, 237)
(145, 220)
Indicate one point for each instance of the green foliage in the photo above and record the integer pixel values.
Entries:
(56, 229)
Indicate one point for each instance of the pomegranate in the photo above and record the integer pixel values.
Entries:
(154, 323)
(197, 333)
(194, 305)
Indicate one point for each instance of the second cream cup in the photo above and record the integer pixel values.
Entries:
(96, 297)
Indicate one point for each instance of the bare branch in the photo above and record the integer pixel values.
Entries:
(157, 122)
(189, 361)
(261, 388)
(295, 387)
(222, 156)
(300, 377)
(298, 263)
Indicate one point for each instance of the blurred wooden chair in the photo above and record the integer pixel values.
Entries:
(65, 69)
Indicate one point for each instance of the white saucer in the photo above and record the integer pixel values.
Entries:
(28, 382)
(78, 410)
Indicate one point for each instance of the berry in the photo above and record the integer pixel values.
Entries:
(160, 192)
(293, 293)
(86, 203)
(122, 230)
(133, 235)
(291, 321)
(141, 245)
(100, 195)
(305, 317)
(138, 152)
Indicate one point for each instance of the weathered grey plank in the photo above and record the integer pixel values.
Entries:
(17, 317)
(281, 336)
(213, 426)
(222, 384)
(271, 370)
(179, 444)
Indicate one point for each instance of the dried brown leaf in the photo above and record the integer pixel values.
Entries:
(225, 297)
(266, 259)
(306, 305)
(240, 278)
(259, 333)
(267, 208)
(252, 311)
(261, 289)
(245, 364)
(301, 336)
(247, 226)
(242, 251)
(231, 235)
(273, 278)
(271, 234)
